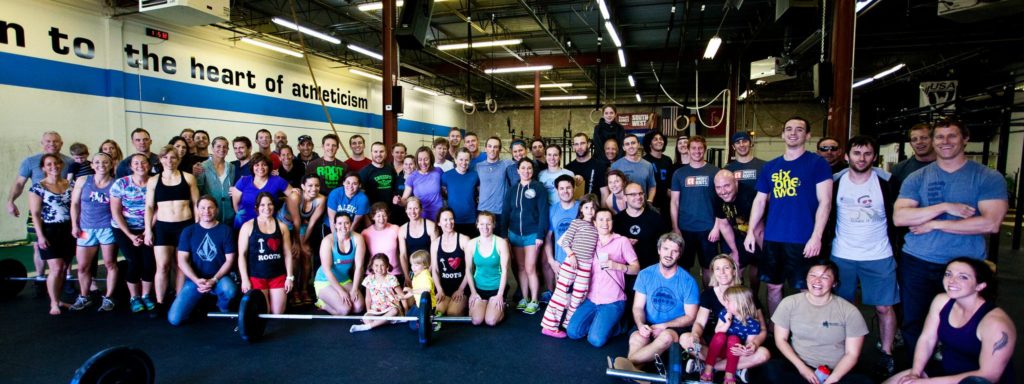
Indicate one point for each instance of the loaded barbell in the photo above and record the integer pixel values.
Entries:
(252, 317)
(14, 276)
(673, 374)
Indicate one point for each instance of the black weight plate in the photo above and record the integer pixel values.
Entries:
(11, 288)
(250, 325)
(116, 365)
(426, 326)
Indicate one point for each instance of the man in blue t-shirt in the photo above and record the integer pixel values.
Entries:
(348, 199)
(636, 168)
(691, 207)
(491, 172)
(799, 186)
(460, 186)
(665, 303)
(206, 255)
(561, 214)
(950, 206)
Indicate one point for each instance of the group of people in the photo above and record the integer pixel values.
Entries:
(594, 238)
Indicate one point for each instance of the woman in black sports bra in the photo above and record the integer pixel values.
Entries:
(415, 235)
(448, 265)
(170, 200)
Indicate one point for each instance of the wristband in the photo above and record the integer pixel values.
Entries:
(291, 278)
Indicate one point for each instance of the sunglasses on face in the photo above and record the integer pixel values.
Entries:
(828, 148)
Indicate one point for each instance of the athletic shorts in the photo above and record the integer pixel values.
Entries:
(783, 262)
(94, 237)
(168, 234)
(321, 285)
(271, 283)
(746, 258)
(60, 243)
(487, 294)
(522, 241)
(877, 280)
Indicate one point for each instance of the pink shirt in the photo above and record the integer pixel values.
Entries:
(607, 286)
(383, 241)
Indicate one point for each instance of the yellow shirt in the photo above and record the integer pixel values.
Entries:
(424, 282)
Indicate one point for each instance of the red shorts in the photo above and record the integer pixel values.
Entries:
(271, 283)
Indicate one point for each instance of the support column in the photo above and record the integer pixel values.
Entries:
(536, 104)
(843, 26)
(390, 119)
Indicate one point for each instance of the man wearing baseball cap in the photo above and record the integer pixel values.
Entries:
(306, 153)
(745, 169)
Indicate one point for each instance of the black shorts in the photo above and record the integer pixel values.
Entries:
(168, 234)
(487, 294)
(746, 258)
(783, 262)
(696, 245)
(61, 245)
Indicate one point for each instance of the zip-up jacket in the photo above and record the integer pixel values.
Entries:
(525, 210)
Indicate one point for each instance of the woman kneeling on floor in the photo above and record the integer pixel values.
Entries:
(341, 274)
(488, 268)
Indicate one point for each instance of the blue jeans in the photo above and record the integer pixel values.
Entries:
(919, 282)
(226, 290)
(596, 322)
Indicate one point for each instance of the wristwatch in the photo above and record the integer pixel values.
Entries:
(291, 278)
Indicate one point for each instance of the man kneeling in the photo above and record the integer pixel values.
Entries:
(206, 254)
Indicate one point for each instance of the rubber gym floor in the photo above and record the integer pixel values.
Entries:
(39, 348)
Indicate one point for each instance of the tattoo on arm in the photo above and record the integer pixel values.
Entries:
(1003, 341)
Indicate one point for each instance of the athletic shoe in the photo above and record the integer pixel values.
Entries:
(148, 301)
(522, 304)
(886, 366)
(437, 326)
(694, 366)
(531, 308)
(741, 375)
(80, 303)
(545, 297)
(555, 334)
(137, 304)
(106, 306)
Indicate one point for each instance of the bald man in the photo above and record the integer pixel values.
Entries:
(280, 140)
(730, 218)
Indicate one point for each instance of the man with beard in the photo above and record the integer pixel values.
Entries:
(378, 179)
(242, 147)
(654, 148)
(141, 142)
(589, 170)
(306, 154)
(280, 140)
(641, 224)
(829, 149)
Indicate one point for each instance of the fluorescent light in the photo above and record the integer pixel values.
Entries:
(321, 36)
(622, 58)
(638, 99)
(271, 47)
(632, 83)
(611, 31)
(480, 44)
(528, 68)
(577, 97)
(713, 46)
(376, 6)
(889, 71)
(549, 85)
(604, 9)
(463, 102)
(861, 4)
(365, 74)
(425, 90)
(862, 82)
(365, 51)
(760, 82)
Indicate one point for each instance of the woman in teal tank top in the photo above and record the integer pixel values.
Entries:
(340, 254)
(488, 267)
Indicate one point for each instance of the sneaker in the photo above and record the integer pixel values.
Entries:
(80, 303)
(555, 334)
(694, 366)
(437, 326)
(522, 304)
(741, 375)
(148, 301)
(545, 297)
(136, 304)
(106, 306)
(531, 308)
(886, 366)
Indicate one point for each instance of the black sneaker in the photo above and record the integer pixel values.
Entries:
(886, 366)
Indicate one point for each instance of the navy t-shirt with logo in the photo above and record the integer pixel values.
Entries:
(696, 187)
(791, 187)
(207, 247)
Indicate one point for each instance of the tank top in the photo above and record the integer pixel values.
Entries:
(341, 263)
(164, 192)
(285, 216)
(487, 275)
(95, 205)
(266, 252)
(960, 346)
(413, 244)
(383, 241)
(451, 266)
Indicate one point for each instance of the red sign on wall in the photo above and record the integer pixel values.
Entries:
(638, 121)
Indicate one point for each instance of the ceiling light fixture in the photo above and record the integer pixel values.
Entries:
(861, 4)
(549, 85)
(632, 83)
(272, 47)
(862, 82)
(604, 9)
(365, 51)
(622, 58)
(319, 35)
(879, 75)
(638, 99)
(365, 74)
(425, 90)
(528, 68)
(713, 46)
(551, 98)
(479, 44)
(611, 32)
(463, 102)
(376, 6)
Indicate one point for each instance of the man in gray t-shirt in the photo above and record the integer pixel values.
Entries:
(692, 207)
(637, 169)
(949, 206)
(492, 179)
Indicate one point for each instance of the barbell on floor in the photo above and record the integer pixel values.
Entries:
(14, 276)
(673, 374)
(252, 317)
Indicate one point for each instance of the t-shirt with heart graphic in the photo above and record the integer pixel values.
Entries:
(265, 255)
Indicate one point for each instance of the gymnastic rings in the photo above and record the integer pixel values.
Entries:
(492, 104)
(591, 116)
(469, 107)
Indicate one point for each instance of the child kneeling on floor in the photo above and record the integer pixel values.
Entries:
(422, 281)
(736, 324)
(382, 294)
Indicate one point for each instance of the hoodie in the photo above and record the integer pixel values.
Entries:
(525, 210)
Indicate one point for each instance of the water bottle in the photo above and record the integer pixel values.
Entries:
(822, 373)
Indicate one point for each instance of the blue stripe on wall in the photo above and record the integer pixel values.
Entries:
(31, 72)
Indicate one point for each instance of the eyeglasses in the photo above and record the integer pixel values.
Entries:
(828, 148)
(634, 194)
